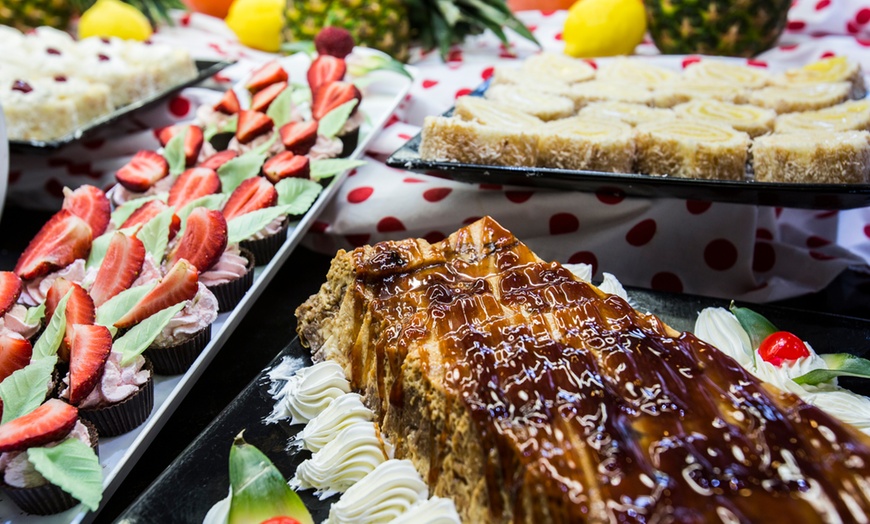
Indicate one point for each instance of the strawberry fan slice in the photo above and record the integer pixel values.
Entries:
(179, 284)
(91, 205)
(91, 346)
(120, 267)
(63, 239)
(47, 423)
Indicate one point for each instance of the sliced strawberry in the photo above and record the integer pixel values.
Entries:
(251, 195)
(79, 310)
(91, 205)
(120, 268)
(286, 165)
(142, 171)
(329, 96)
(204, 239)
(148, 211)
(299, 137)
(325, 69)
(91, 346)
(62, 240)
(15, 353)
(229, 104)
(251, 125)
(47, 423)
(264, 98)
(267, 75)
(194, 183)
(179, 284)
(192, 140)
(10, 290)
(218, 159)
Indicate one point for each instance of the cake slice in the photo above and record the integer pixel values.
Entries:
(720, 72)
(692, 149)
(800, 97)
(632, 114)
(669, 95)
(635, 71)
(610, 91)
(585, 143)
(528, 99)
(754, 121)
(492, 113)
(827, 70)
(33, 112)
(818, 157)
(446, 139)
(848, 116)
(552, 67)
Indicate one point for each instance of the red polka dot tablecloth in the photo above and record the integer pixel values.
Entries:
(727, 250)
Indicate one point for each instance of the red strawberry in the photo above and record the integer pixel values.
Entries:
(285, 165)
(299, 137)
(251, 125)
(204, 239)
(79, 310)
(267, 75)
(63, 239)
(91, 205)
(91, 346)
(218, 159)
(251, 195)
(119, 269)
(47, 423)
(325, 69)
(329, 96)
(148, 211)
(10, 290)
(179, 284)
(15, 353)
(194, 183)
(142, 171)
(334, 41)
(264, 98)
(229, 104)
(192, 140)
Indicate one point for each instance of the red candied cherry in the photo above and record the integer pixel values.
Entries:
(781, 346)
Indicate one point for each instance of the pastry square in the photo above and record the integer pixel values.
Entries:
(635, 71)
(721, 72)
(853, 115)
(692, 149)
(632, 114)
(588, 144)
(686, 90)
(610, 91)
(492, 113)
(800, 97)
(813, 158)
(528, 99)
(755, 121)
(548, 67)
(456, 140)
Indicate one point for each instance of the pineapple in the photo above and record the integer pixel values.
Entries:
(28, 14)
(739, 28)
(390, 25)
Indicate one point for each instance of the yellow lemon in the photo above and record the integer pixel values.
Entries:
(604, 27)
(108, 18)
(257, 23)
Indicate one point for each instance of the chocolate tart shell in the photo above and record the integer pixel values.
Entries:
(117, 419)
(349, 141)
(175, 360)
(265, 248)
(230, 293)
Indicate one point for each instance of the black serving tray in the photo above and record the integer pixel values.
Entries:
(205, 69)
(198, 478)
(808, 196)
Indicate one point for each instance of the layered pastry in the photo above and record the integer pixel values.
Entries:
(493, 113)
(719, 72)
(552, 67)
(692, 149)
(632, 114)
(814, 157)
(456, 140)
(586, 143)
(833, 69)
(848, 116)
(754, 121)
(526, 395)
(683, 91)
(800, 97)
(610, 91)
(628, 70)
(546, 106)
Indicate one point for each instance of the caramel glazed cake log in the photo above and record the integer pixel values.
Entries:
(529, 396)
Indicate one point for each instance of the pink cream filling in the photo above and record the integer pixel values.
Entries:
(13, 321)
(150, 272)
(116, 384)
(230, 266)
(271, 228)
(196, 315)
(325, 148)
(121, 194)
(20, 473)
(35, 290)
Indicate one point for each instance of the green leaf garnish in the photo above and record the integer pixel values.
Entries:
(231, 124)
(51, 338)
(301, 46)
(297, 194)
(26, 388)
(154, 234)
(174, 152)
(116, 307)
(263, 149)
(329, 167)
(331, 124)
(756, 326)
(34, 314)
(101, 244)
(72, 466)
(123, 212)
(210, 130)
(301, 94)
(362, 66)
(140, 336)
(281, 109)
(213, 202)
(240, 169)
(839, 365)
(244, 226)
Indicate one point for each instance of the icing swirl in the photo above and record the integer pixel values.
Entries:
(309, 392)
(342, 412)
(388, 491)
(718, 327)
(231, 266)
(436, 510)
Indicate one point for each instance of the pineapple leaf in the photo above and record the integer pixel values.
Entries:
(448, 9)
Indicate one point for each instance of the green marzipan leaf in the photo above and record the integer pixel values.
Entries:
(240, 169)
(72, 466)
(115, 308)
(281, 109)
(230, 125)
(244, 226)
(839, 365)
(50, 339)
(297, 194)
(301, 95)
(140, 336)
(330, 167)
(263, 149)
(155, 234)
(101, 244)
(333, 121)
(302, 46)
(34, 315)
(26, 389)
(174, 152)
(123, 212)
(756, 326)
(210, 130)
(213, 202)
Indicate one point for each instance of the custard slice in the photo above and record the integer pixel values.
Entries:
(848, 116)
(683, 91)
(800, 97)
(631, 114)
(813, 157)
(833, 69)
(546, 106)
(754, 121)
(692, 149)
(584, 143)
(446, 139)
(632, 70)
(719, 72)
(548, 67)
(492, 113)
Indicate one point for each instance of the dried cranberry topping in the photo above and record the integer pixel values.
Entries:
(52, 51)
(21, 85)
(60, 78)
(103, 58)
